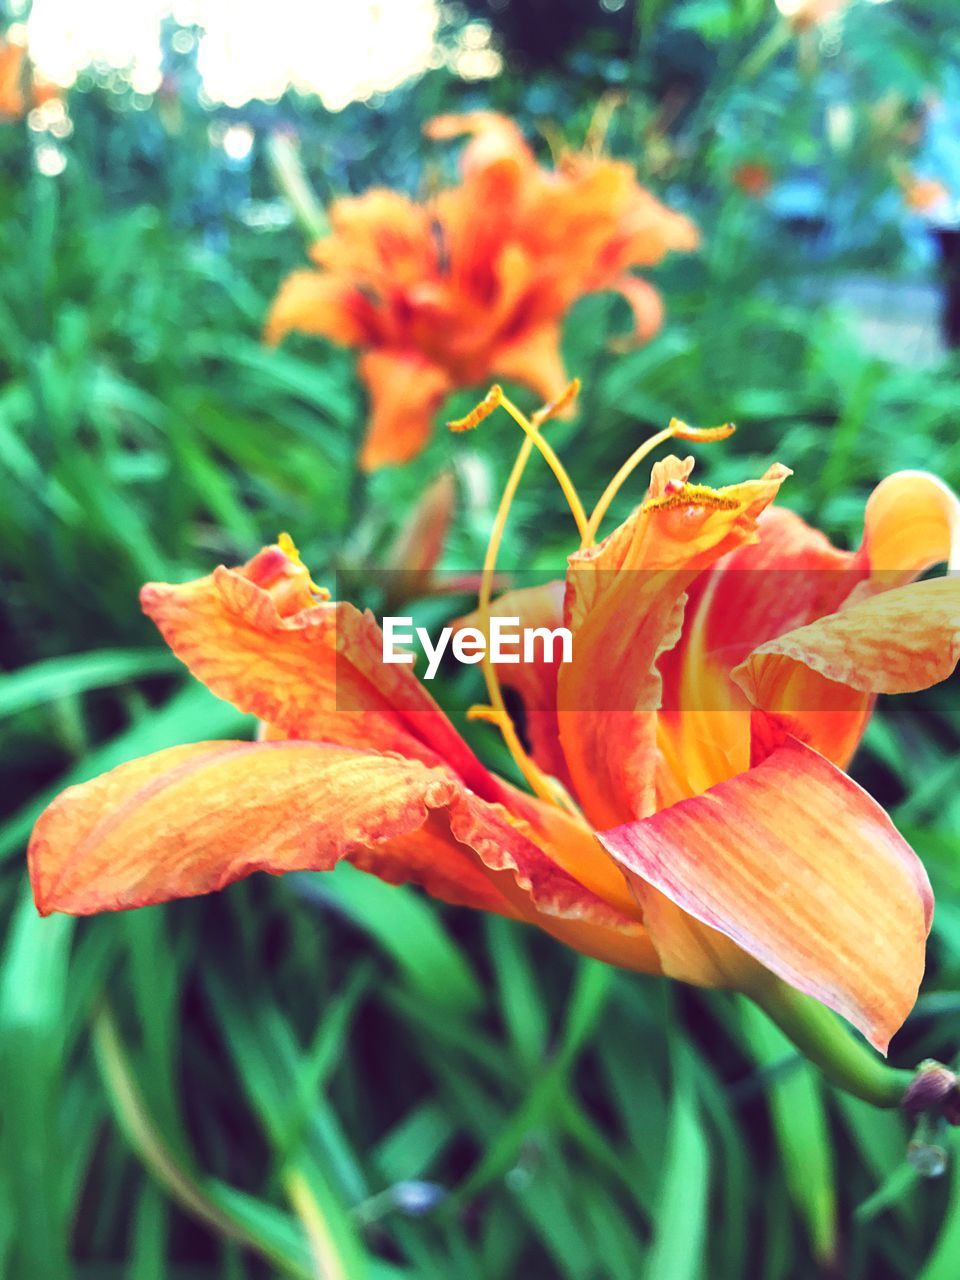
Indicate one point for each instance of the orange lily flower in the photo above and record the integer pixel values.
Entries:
(689, 812)
(12, 104)
(753, 177)
(924, 195)
(803, 15)
(475, 282)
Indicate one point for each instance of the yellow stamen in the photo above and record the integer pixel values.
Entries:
(497, 712)
(676, 430)
(480, 411)
(536, 779)
(531, 431)
(556, 142)
(557, 406)
(704, 434)
(289, 549)
(489, 715)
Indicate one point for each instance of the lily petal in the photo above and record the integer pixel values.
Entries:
(191, 820)
(912, 522)
(647, 307)
(406, 391)
(819, 680)
(792, 576)
(799, 868)
(321, 305)
(380, 242)
(493, 138)
(310, 671)
(535, 361)
(624, 605)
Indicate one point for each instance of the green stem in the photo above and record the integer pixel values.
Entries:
(764, 52)
(291, 178)
(326, 1255)
(823, 1039)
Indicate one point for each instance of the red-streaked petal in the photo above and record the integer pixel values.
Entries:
(189, 821)
(314, 673)
(802, 870)
(624, 605)
(381, 242)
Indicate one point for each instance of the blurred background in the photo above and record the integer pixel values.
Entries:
(204, 1089)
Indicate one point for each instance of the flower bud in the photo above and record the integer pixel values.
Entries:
(934, 1089)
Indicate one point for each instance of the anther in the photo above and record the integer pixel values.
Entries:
(490, 401)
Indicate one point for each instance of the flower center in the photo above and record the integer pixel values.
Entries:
(545, 787)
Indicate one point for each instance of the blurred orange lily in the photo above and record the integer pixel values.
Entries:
(475, 282)
(803, 15)
(753, 177)
(12, 67)
(924, 195)
(689, 812)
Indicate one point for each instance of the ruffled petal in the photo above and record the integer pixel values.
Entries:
(787, 581)
(191, 820)
(310, 668)
(799, 868)
(406, 391)
(819, 680)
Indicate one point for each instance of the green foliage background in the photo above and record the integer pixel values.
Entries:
(200, 1090)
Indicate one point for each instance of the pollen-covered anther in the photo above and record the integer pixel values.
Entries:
(479, 412)
(681, 431)
(690, 495)
(289, 549)
(563, 401)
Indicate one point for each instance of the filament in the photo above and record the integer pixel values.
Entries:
(616, 484)
(530, 429)
(497, 712)
(675, 430)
